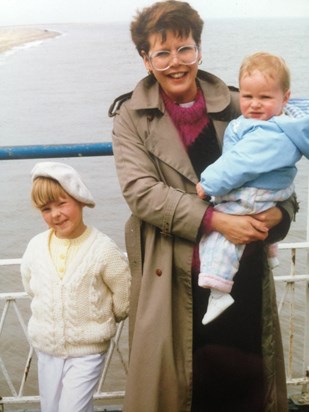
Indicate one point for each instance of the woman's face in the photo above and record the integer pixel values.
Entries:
(178, 80)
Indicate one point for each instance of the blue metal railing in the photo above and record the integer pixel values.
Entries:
(56, 150)
(298, 107)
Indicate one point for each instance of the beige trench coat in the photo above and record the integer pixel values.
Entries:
(158, 183)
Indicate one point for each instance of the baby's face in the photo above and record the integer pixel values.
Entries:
(261, 97)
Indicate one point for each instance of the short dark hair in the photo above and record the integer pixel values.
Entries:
(163, 16)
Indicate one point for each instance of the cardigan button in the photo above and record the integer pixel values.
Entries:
(158, 272)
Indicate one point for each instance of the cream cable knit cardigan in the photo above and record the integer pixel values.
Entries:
(76, 315)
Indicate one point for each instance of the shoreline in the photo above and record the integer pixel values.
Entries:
(13, 37)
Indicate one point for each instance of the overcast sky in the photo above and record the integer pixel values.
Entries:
(15, 12)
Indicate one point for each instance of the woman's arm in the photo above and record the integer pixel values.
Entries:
(279, 218)
(272, 224)
(154, 190)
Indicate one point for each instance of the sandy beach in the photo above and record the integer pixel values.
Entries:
(16, 36)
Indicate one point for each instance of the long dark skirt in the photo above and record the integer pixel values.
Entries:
(227, 356)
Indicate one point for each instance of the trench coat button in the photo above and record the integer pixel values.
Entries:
(158, 272)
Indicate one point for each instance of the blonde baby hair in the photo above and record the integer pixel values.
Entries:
(269, 65)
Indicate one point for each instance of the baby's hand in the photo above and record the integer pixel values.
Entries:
(200, 191)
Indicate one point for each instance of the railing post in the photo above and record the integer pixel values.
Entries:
(306, 335)
(303, 397)
(305, 388)
(307, 232)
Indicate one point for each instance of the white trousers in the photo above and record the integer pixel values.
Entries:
(68, 385)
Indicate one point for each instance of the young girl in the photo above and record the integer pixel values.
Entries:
(79, 283)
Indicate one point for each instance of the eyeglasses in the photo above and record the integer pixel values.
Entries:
(161, 59)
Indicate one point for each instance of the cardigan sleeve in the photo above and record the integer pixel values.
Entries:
(25, 269)
(118, 279)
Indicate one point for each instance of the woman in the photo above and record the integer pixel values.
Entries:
(165, 133)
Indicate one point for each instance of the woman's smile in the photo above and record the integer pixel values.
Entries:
(178, 75)
(178, 81)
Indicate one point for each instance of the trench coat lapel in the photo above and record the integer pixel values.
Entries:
(163, 139)
(165, 144)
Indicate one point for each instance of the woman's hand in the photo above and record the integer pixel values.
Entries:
(248, 228)
(270, 217)
(240, 229)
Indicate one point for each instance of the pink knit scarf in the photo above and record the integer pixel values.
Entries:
(189, 121)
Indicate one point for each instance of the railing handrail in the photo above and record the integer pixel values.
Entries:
(56, 150)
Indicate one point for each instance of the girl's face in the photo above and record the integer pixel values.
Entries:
(65, 217)
(261, 97)
(178, 80)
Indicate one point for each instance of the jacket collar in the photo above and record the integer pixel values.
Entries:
(147, 96)
(167, 146)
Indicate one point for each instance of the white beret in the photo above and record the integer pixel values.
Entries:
(67, 177)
